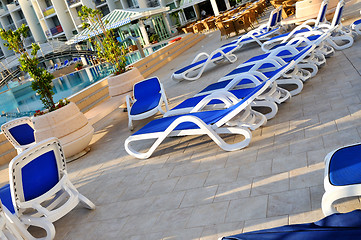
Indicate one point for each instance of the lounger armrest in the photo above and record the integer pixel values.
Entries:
(226, 97)
(199, 56)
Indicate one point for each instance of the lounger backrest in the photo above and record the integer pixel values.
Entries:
(279, 18)
(23, 134)
(338, 14)
(19, 131)
(146, 88)
(273, 19)
(36, 170)
(232, 111)
(322, 13)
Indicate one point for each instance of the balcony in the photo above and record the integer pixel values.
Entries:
(10, 26)
(48, 11)
(72, 2)
(28, 41)
(99, 2)
(21, 22)
(54, 31)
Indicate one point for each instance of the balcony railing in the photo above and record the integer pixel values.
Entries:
(99, 2)
(48, 11)
(21, 22)
(28, 41)
(54, 31)
(71, 2)
(11, 26)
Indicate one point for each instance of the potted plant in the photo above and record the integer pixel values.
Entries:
(78, 66)
(154, 38)
(111, 51)
(63, 119)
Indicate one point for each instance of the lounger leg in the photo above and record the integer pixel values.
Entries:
(329, 197)
(267, 104)
(297, 82)
(309, 66)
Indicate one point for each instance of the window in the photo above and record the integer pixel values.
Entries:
(48, 3)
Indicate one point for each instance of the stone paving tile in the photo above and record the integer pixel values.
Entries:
(289, 162)
(263, 223)
(247, 208)
(199, 196)
(230, 191)
(184, 234)
(289, 202)
(270, 184)
(208, 214)
(307, 176)
(191, 181)
(221, 230)
(222, 175)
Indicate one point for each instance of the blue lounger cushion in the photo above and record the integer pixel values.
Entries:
(5, 196)
(345, 166)
(23, 134)
(145, 104)
(339, 226)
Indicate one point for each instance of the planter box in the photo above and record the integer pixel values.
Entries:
(123, 83)
(69, 125)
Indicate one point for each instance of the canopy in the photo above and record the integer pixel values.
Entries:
(115, 19)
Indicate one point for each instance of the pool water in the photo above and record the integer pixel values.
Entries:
(21, 100)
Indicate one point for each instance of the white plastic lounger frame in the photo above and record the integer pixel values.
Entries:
(333, 192)
(356, 26)
(226, 125)
(130, 101)
(14, 123)
(13, 229)
(229, 56)
(293, 77)
(249, 118)
(57, 201)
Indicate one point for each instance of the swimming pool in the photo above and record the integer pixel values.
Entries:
(21, 100)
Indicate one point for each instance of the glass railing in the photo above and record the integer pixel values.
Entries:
(11, 26)
(28, 41)
(21, 22)
(98, 2)
(54, 31)
(48, 11)
(71, 2)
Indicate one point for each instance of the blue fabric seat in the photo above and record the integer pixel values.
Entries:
(345, 166)
(148, 98)
(346, 226)
(23, 134)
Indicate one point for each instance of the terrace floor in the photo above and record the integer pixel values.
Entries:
(192, 189)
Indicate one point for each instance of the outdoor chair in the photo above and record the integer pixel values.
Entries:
(226, 27)
(39, 188)
(211, 123)
(342, 176)
(196, 68)
(11, 227)
(148, 98)
(20, 133)
(198, 27)
(345, 226)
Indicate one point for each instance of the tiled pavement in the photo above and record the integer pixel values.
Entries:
(191, 189)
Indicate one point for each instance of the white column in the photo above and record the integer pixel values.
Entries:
(166, 23)
(228, 5)
(144, 32)
(196, 10)
(142, 4)
(215, 7)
